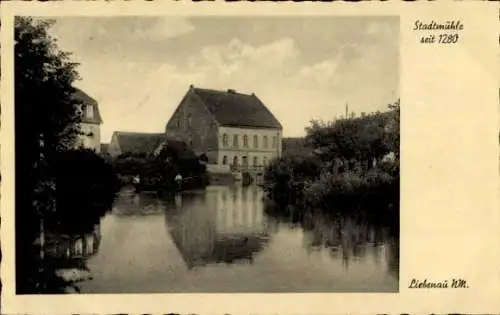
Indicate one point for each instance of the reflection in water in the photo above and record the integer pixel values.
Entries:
(68, 256)
(222, 240)
(82, 246)
(132, 204)
(220, 224)
(348, 239)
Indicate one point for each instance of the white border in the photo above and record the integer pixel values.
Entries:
(450, 206)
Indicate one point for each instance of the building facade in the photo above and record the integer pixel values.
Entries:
(230, 128)
(248, 147)
(91, 121)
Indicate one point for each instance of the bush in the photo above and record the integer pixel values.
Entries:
(349, 190)
(86, 186)
(129, 164)
(341, 174)
(284, 178)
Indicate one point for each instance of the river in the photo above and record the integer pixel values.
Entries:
(221, 240)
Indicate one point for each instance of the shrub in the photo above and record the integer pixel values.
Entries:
(85, 190)
(284, 178)
(349, 190)
(129, 164)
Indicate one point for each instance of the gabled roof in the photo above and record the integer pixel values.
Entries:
(137, 142)
(233, 109)
(83, 98)
(181, 148)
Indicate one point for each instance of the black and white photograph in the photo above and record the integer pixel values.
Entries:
(207, 154)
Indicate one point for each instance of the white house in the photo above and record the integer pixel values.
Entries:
(91, 121)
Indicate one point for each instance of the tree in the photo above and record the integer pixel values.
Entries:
(394, 127)
(129, 164)
(46, 122)
(84, 194)
(361, 139)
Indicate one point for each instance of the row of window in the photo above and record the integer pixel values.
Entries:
(265, 144)
(244, 161)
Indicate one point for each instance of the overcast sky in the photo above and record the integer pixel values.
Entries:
(139, 68)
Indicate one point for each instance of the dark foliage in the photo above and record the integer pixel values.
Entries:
(157, 172)
(56, 187)
(340, 176)
(361, 139)
(86, 187)
(188, 165)
(285, 178)
(46, 122)
(130, 164)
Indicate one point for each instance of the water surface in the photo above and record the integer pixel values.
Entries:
(222, 240)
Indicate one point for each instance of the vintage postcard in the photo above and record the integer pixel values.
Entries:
(245, 158)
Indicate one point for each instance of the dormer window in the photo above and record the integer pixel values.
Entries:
(89, 111)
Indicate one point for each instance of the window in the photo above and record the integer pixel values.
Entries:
(275, 142)
(245, 161)
(265, 142)
(225, 140)
(265, 160)
(89, 111)
(235, 140)
(255, 141)
(235, 160)
(255, 160)
(188, 121)
(245, 141)
(224, 160)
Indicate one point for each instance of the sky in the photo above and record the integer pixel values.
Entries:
(302, 68)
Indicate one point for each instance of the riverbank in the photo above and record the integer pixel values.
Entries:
(334, 191)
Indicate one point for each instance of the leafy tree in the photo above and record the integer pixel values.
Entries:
(84, 193)
(361, 139)
(129, 164)
(393, 138)
(46, 122)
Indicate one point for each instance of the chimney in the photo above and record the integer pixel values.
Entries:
(231, 91)
(191, 86)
